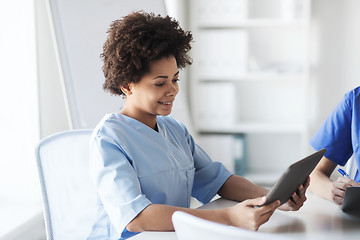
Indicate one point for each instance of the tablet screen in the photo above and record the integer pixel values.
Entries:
(291, 179)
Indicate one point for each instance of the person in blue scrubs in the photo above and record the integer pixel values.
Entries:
(340, 135)
(145, 164)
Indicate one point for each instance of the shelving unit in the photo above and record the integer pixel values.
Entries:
(250, 76)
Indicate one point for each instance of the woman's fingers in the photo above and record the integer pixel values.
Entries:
(248, 214)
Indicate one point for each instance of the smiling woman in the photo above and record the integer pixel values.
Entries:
(19, 195)
(154, 94)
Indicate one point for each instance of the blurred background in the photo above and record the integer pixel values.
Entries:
(265, 75)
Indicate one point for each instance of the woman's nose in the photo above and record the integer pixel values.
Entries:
(173, 90)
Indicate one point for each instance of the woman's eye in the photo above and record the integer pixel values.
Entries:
(176, 80)
(159, 84)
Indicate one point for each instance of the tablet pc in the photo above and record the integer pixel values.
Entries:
(351, 203)
(291, 179)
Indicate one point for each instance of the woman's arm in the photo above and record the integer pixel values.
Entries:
(238, 188)
(157, 217)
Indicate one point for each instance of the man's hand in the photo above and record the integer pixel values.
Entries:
(338, 188)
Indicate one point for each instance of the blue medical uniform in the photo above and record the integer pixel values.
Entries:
(340, 133)
(133, 166)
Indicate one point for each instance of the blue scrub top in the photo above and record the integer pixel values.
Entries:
(133, 166)
(340, 133)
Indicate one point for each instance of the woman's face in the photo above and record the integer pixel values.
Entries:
(155, 93)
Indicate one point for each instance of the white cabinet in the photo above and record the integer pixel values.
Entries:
(250, 76)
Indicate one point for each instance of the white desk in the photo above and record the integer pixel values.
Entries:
(317, 219)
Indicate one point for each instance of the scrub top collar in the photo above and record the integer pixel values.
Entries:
(141, 126)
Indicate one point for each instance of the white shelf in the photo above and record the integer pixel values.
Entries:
(256, 77)
(255, 128)
(250, 76)
(251, 23)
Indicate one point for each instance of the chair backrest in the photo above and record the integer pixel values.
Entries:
(351, 167)
(68, 195)
(189, 227)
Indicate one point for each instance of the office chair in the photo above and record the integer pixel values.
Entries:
(68, 195)
(189, 227)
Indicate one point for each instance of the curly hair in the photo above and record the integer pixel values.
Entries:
(137, 39)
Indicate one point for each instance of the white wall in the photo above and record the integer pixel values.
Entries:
(20, 204)
(53, 115)
(53, 112)
(335, 55)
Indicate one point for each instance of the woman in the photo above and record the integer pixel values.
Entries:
(145, 164)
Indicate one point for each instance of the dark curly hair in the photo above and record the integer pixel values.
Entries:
(137, 39)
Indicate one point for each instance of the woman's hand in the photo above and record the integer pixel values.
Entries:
(248, 215)
(297, 198)
(338, 188)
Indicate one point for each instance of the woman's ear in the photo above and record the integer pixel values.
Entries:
(126, 89)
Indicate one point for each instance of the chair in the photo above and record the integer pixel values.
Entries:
(351, 167)
(68, 195)
(189, 227)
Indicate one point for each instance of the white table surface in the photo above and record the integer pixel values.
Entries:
(317, 219)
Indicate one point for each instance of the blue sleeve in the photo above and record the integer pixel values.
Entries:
(209, 175)
(335, 133)
(115, 179)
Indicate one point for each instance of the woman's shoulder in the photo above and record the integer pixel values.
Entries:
(109, 123)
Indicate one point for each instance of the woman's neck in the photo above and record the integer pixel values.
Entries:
(147, 119)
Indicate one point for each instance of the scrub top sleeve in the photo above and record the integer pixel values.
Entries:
(209, 178)
(335, 133)
(116, 182)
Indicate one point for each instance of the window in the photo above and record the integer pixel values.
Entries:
(20, 193)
